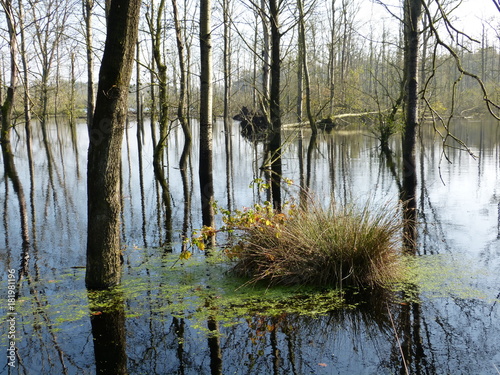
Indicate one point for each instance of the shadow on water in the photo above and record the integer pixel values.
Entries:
(181, 319)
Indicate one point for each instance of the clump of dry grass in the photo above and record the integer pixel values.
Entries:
(328, 247)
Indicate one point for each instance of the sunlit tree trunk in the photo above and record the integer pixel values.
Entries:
(182, 115)
(305, 66)
(6, 118)
(226, 5)
(266, 61)
(331, 61)
(104, 155)
(26, 94)
(156, 29)
(87, 6)
(206, 90)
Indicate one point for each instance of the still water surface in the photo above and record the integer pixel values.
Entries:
(454, 329)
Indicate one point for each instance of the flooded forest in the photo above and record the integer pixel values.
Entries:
(250, 187)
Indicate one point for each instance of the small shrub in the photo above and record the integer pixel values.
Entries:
(317, 246)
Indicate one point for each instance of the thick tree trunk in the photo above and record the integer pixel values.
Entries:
(413, 12)
(104, 156)
(206, 163)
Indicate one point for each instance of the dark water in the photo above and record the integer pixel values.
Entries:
(454, 329)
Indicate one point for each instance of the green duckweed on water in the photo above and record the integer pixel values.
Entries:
(197, 289)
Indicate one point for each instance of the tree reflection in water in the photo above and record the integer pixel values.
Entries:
(448, 329)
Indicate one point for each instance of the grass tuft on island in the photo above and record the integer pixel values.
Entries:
(323, 247)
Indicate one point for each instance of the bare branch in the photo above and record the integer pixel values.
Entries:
(489, 103)
(497, 4)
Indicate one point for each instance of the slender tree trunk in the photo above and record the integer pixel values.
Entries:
(227, 61)
(156, 31)
(275, 107)
(87, 15)
(182, 115)
(255, 62)
(300, 80)
(26, 94)
(266, 62)
(6, 119)
(331, 60)
(156, 28)
(302, 41)
(72, 92)
(206, 163)
(104, 155)
(227, 100)
(413, 12)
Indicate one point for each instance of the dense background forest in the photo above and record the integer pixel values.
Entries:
(348, 52)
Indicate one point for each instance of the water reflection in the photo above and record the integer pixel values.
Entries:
(107, 317)
(458, 217)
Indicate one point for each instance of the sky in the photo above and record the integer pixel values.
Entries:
(468, 17)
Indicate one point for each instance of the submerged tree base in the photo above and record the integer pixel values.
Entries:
(323, 247)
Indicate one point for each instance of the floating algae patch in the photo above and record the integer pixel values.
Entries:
(201, 288)
(442, 276)
(161, 287)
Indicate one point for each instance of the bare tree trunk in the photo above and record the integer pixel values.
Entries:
(26, 94)
(155, 26)
(227, 100)
(72, 92)
(275, 107)
(302, 41)
(255, 62)
(412, 15)
(227, 60)
(206, 163)
(6, 118)
(87, 6)
(300, 64)
(266, 62)
(182, 115)
(104, 156)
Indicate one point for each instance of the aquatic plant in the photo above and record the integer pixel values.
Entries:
(313, 245)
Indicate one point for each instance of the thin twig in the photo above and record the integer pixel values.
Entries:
(496, 368)
(397, 339)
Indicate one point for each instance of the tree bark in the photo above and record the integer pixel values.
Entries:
(275, 107)
(266, 62)
(412, 15)
(182, 115)
(87, 6)
(6, 119)
(206, 164)
(305, 66)
(104, 155)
